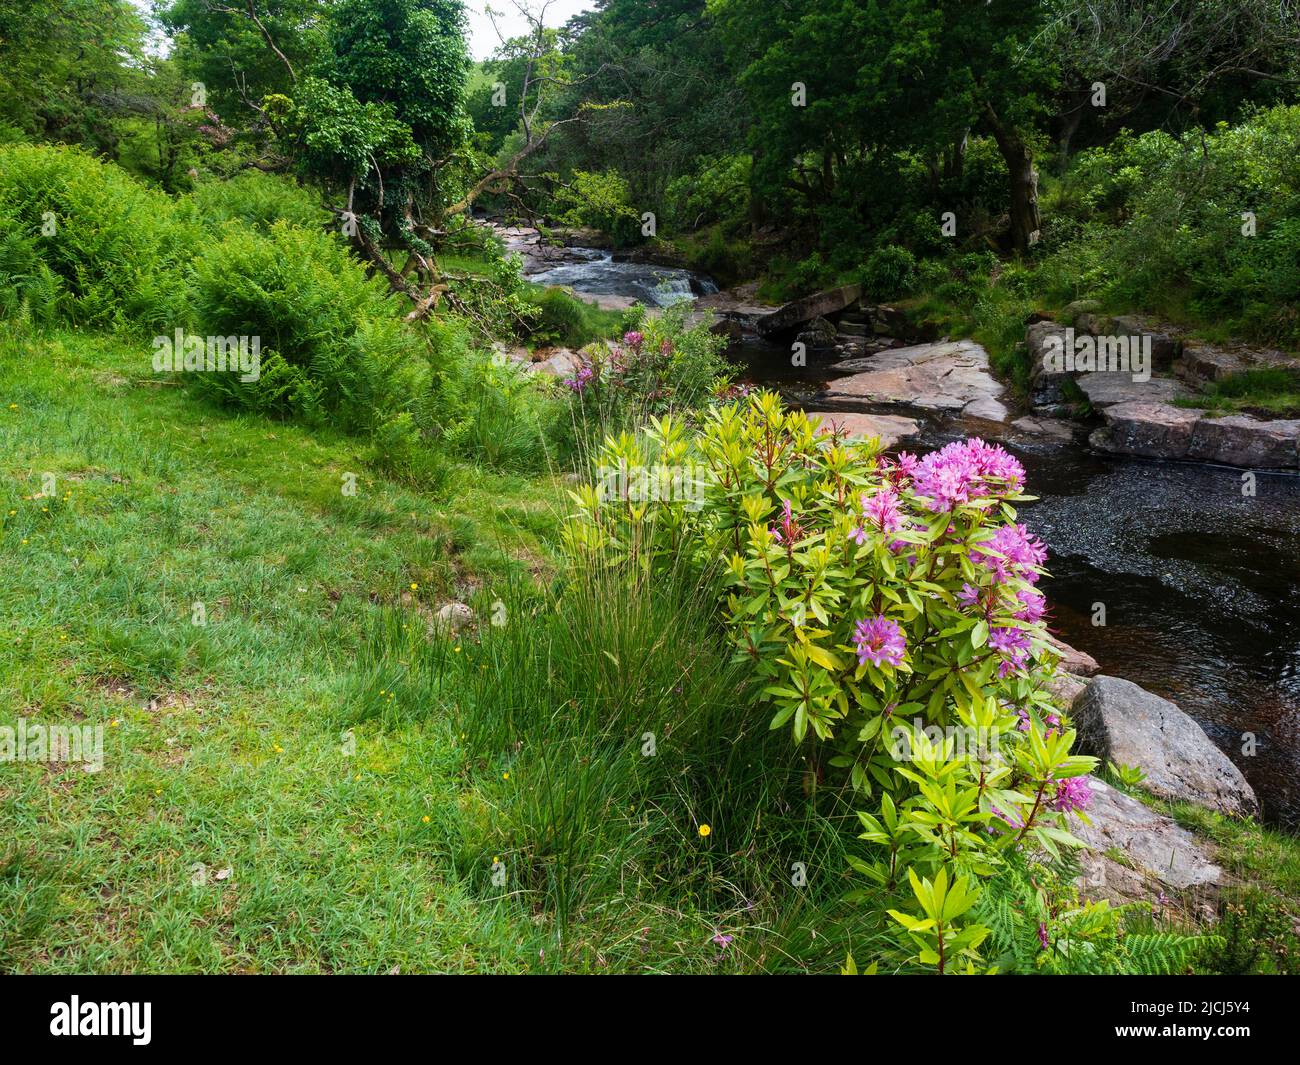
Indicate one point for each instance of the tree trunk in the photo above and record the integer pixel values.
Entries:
(1023, 181)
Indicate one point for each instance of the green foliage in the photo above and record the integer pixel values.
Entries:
(1039, 925)
(601, 201)
(117, 249)
(955, 733)
(663, 365)
(1256, 935)
(259, 200)
(566, 319)
(332, 345)
(889, 272)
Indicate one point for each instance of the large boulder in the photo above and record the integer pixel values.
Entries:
(818, 305)
(1152, 430)
(1119, 721)
(1165, 348)
(952, 376)
(1240, 440)
(1134, 854)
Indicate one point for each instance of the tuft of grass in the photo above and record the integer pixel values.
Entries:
(1272, 390)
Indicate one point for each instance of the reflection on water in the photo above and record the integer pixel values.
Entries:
(1201, 584)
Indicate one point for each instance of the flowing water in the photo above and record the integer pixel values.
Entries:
(1200, 582)
(599, 274)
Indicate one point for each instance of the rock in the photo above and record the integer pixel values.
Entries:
(1065, 688)
(561, 363)
(1126, 724)
(818, 335)
(1134, 854)
(1044, 383)
(1053, 427)
(818, 305)
(1206, 363)
(1105, 388)
(987, 409)
(1080, 663)
(1071, 311)
(888, 427)
(944, 376)
(1153, 430)
(1164, 347)
(1241, 440)
(1157, 430)
(502, 353)
(452, 617)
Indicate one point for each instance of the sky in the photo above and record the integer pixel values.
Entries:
(483, 39)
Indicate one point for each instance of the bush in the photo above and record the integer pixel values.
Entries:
(259, 200)
(889, 272)
(118, 250)
(663, 365)
(332, 346)
(889, 610)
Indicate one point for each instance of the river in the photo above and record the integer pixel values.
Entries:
(1200, 583)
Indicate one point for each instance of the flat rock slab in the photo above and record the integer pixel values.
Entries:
(950, 375)
(1242, 440)
(1106, 389)
(1157, 430)
(1119, 721)
(889, 428)
(1134, 853)
(1152, 430)
(1053, 428)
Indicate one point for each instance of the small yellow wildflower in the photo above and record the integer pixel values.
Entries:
(414, 586)
(279, 749)
(425, 819)
(705, 830)
(505, 776)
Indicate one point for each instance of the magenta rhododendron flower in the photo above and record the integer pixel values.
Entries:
(1073, 793)
(1012, 552)
(881, 510)
(879, 640)
(788, 531)
(966, 470)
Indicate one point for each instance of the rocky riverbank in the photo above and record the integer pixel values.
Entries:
(1157, 417)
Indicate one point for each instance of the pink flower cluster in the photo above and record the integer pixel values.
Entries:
(880, 512)
(1072, 793)
(879, 640)
(963, 471)
(581, 379)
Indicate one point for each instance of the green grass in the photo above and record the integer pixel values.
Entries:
(344, 763)
(1271, 391)
(223, 742)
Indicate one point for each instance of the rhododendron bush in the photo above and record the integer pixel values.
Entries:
(890, 608)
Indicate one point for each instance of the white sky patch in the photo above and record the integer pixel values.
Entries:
(483, 39)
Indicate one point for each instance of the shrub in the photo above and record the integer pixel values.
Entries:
(889, 272)
(889, 610)
(118, 249)
(259, 200)
(662, 365)
(331, 343)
